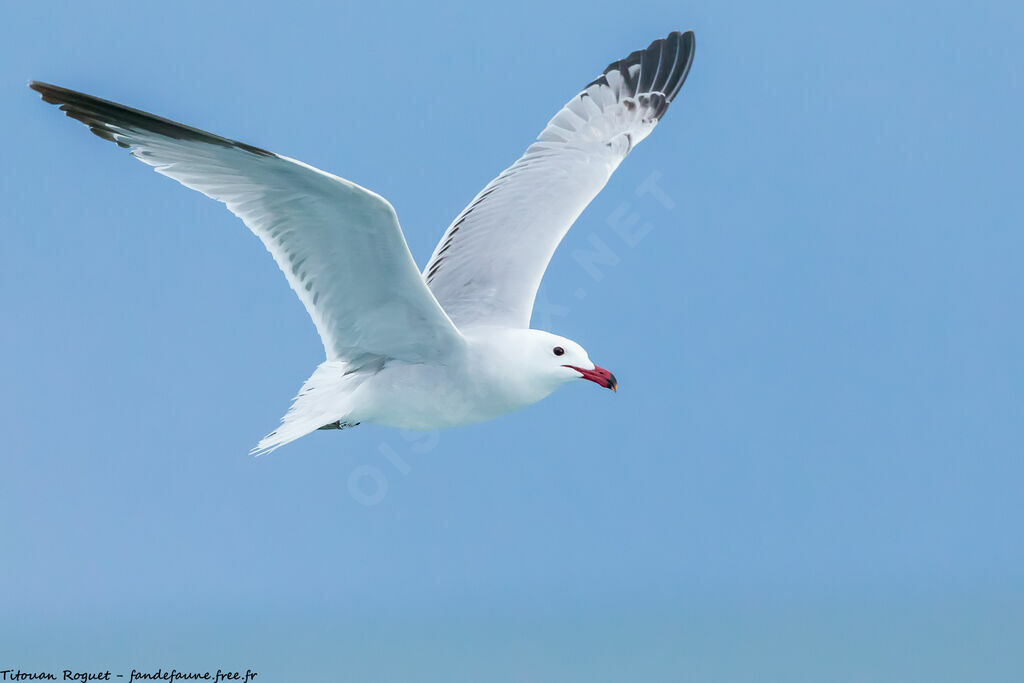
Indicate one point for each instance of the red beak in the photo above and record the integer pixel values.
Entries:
(599, 375)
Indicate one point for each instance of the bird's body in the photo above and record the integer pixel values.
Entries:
(494, 372)
(448, 346)
(479, 381)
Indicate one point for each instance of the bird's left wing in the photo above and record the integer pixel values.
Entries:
(339, 245)
(489, 263)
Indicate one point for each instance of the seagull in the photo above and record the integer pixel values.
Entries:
(447, 346)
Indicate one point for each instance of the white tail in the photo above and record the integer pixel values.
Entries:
(325, 397)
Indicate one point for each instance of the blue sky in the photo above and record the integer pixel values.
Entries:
(812, 470)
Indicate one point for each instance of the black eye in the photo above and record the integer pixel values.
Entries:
(558, 351)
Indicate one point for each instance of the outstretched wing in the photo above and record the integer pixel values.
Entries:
(488, 266)
(339, 245)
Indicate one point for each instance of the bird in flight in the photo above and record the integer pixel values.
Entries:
(451, 345)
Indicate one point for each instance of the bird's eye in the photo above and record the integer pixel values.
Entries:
(558, 351)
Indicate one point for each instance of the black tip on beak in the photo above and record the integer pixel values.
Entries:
(598, 376)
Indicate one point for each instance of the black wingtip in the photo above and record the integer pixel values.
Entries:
(54, 94)
(665, 64)
(48, 92)
(103, 116)
(663, 68)
(686, 47)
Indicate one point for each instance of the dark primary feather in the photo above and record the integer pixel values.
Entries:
(663, 68)
(101, 115)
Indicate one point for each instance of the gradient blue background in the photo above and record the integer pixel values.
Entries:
(813, 469)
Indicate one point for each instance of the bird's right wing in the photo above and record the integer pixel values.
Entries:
(488, 266)
(338, 244)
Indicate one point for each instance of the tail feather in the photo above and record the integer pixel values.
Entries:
(325, 398)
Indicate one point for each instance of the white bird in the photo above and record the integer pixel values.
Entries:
(451, 345)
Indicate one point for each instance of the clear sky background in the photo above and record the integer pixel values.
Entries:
(813, 468)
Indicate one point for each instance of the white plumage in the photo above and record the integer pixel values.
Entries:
(449, 346)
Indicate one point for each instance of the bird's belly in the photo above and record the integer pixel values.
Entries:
(431, 397)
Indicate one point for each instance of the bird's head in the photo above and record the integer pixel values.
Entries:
(548, 360)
